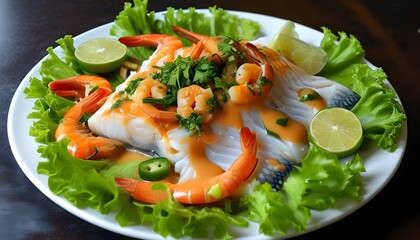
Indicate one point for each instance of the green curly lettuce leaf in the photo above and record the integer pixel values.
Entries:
(78, 180)
(342, 51)
(379, 111)
(318, 184)
(135, 19)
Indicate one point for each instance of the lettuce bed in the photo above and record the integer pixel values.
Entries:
(317, 184)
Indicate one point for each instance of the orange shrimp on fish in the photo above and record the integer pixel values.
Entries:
(151, 88)
(194, 99)
(206, 191)
(93, 91)
(254, 78)
(78, 87)
(166, 46)
(206, 43)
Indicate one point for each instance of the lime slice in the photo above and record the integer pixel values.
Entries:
(336, 130)
(305, 55)
(101, 55)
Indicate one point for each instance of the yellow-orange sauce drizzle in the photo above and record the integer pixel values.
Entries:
(293, 131)
(128, 156)
(230, 116)
(204, 168)
(317, 103)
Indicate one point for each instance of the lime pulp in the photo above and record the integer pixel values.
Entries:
(336, 130)
(101, 55)
(305, 55)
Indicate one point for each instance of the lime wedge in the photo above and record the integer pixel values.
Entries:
(101, 55)
(281, 42)
(305, 55)
(336, 130)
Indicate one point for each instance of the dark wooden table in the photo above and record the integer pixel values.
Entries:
(388, 30)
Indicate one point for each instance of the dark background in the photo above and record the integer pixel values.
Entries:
(388, 30)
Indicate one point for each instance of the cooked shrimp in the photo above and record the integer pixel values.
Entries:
(166, 46)
(249, 90)
(83, 144)
(151, 88)
(209, 44)
(198, 192)
(253, 84)
(247, 73)
(79, 87)
(196, 50)
(194, 99)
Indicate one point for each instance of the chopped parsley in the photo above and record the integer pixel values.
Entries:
(132, 86)
(118, 103)
(181, 73)
(261, 82)
(224, 86)
(229, 48)
(306, 97)
(192, 123)
(282, 121)
(213, 103)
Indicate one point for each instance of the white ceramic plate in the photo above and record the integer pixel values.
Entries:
(380, 165)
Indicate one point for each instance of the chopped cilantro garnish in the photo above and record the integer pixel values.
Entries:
(218, 83)
(213, 103)
(282, 121)
(132, 86)
(306, 97)
(183, 72)
(119, 102)
(228, 48)
(192, 123)
(166, 101)
(261, 82)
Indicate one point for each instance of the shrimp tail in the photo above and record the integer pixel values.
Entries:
(253, 54)
(190, 36)
(249, 152)
(147, 40)
(209, 44)
(78, 87)
(89, 104)
(248, 141)
(153, 112)
(197, 50)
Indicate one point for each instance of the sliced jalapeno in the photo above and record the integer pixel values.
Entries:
(154, 169)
